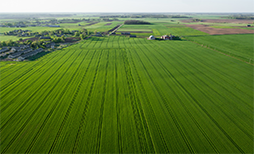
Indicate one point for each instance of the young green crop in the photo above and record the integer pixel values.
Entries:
(127, 95)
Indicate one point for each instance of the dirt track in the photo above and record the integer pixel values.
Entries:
(220, 31)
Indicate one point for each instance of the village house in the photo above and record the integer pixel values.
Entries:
(151, 37)
(126, 33)
(4, 50)
(32, 53)
(165, 37)
(43, 37)
(54, 25)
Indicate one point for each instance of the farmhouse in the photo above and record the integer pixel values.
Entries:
(16, 54)
(42, 37)
(53, 25)
(52, 45)
(24, 56)
(4, 50)
(15, 49)
(126, 33)
(166, 37)
(151, 37)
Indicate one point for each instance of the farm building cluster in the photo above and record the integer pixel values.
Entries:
(164, 37)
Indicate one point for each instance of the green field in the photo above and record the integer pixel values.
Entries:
(127, 29)
(240, 45)
(13, 38)
(129, 95)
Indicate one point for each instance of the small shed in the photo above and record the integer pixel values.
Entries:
(126, 33)
(165, 37)
(151, 37)
(42, 37)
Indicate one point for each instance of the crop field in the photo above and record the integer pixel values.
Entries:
(33, 29)
(100, 27)
(240, 46)
(127, 95)
(186, 31)
(13, 38)
(233, 27)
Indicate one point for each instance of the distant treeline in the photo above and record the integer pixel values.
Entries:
(136, 22)
(32, 15)
(145, 16)
(246, 17)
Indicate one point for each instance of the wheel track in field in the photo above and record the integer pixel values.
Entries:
(246, 133)
(211, 79)
(30, 117)
(201, 107)
(139, 118)
(27, 71)
(150, 106)
(169, 109)
(102, 108)
(13, 67)
(42, 60)
(31, 83)
(81, 125)
(55, 105)
(23, 74)
(118, 110)
(186, 109)
(221, 72)
(70, 107)
(22, 105)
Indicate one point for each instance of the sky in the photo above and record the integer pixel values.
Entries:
(127, 6)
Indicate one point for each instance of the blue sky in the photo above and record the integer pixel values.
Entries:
(127, 6)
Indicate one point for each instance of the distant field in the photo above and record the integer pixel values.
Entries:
(130, 95)
(129, 29)
(34, 29)
(233, 27)
(240, 46)
(13, 38)
(220, 31)
(186, 31)
(100, 27)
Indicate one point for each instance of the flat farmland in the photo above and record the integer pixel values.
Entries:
(127, 95)
(135, 30)
(220, 31)
(239, 46)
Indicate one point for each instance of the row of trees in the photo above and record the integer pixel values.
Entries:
(136, 22)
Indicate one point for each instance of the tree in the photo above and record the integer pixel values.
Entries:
(82, 36)
(77, 34)
(4, 43)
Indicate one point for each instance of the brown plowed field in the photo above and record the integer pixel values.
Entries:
(236, 21)
(220, 31)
